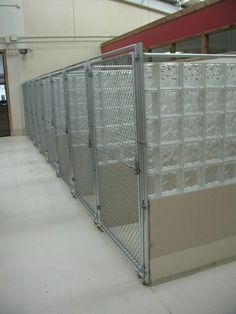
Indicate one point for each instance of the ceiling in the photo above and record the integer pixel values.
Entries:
(183, 3)
(165, 6)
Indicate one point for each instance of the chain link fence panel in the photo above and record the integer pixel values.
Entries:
(116, 145)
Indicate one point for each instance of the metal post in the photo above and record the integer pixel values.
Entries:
(142, 158)
(92, 137)
(68, 129)
(54, 124)
(44, 117)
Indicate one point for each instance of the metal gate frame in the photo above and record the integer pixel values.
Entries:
(44, 124)
(75, 193)
(35, 112)
(138, 66)
(26, 109)
(59, 166)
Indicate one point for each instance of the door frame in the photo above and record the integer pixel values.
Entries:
(4, 58)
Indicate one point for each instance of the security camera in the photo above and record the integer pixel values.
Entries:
(23, 51)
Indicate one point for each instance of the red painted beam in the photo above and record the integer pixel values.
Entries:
(208, 18)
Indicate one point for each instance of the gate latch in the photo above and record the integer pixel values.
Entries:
(137, 166)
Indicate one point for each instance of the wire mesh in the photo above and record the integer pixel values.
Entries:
(50, 131)
(39, 104)
(34, 115)
(64, 157)
(30, 106)
(80, 140)
(26, 108)
(116, 145)
(59, 105)
(37, 113)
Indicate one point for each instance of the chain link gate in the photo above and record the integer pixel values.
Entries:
(50, 134)
(118, 154)
(26, 108)
(79, 131)
(32, 107)
(39, 102)
(65, 169)
(36, 114)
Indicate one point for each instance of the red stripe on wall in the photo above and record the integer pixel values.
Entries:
(212, 17)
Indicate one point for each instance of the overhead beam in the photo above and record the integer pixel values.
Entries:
(152, 5)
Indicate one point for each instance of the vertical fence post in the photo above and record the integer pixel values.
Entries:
(40, 104)
(44, 104)
(68, 130)
(92, 136)
(142, 158)
(54, 124)
(31, 111)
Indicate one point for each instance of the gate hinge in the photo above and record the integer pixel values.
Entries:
(137, 168)
(145, 205)
(136, 165)
(89, 142)
(137, 58)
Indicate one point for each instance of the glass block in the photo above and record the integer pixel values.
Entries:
(192, 101)
(230, 172)
(169, 102)
(231, 74)
(170, 182)
(230, 148)
(151, 104)
(170, 129)
(150, 76)
(152, 184)
(169, 75)
(191, 178)
(213, 150)
(212, 174)
(152, 157)
(230, 124)
(170, 155)
(192, 153)
(193, 75)
(230, 100)
(214, 75)
(192, 127)
(152, 131)
(213, 125)
(214, 100)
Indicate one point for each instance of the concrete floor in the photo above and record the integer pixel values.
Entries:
(53, 259)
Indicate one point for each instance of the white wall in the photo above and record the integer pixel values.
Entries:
(60, 33)
(11, 18)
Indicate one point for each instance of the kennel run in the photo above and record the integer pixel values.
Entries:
(149, 147)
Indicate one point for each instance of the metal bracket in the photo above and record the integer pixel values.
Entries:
(145, 205)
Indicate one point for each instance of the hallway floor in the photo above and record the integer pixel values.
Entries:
(54, 261)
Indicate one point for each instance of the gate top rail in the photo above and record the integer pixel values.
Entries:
(129, 48)
(78, 65)
(188, 55)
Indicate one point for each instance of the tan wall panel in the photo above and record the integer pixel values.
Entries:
(188, 261)
(192, 219)
(186, 230)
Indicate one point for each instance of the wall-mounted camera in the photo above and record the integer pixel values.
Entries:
(23, 51)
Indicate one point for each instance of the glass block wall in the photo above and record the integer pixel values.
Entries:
(190, 126)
